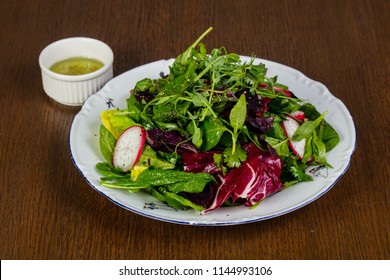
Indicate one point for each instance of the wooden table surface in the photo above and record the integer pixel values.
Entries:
(48, 211)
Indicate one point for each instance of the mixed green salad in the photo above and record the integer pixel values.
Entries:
(214, 131)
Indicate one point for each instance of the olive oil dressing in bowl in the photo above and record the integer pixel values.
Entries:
(75, 68)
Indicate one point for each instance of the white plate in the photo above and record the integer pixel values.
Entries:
(85, 152)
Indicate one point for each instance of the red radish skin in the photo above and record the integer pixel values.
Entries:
(290, 125)
(285, 91)
(299, 115)
(128, 148)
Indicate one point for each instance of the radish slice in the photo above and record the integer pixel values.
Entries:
(285, 91)
(290, 126)
(128, 148)
(299, 115)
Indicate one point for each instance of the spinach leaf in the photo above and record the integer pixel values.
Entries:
(330, 137)
(276, 131)
(319, 150)
(283, 105)
(107, 143)
(177, 201)
(315, 150)
(197, 136)
(161, 194)
(181, 107)
(281, 146)
(164, 112)
(326, 132)
(144, 84)
(133, 104)
(308, 150)
(158, 177)
(310, 111)
(150, 158)
(108, 170)
(174, 180)
(238, 114)
(212, 129)
(307, 128)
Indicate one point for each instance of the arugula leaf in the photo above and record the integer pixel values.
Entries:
(144, 84)
(181, 107)
(180, 83)
(252, 136)
(183, 58)
(200, 101)
(189, 56)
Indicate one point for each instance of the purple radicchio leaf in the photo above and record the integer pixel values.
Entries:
(143, 96)
(200, 162)
(256, 178)
(203, 198)
(256, 104)
(168, 141)
(261, 124)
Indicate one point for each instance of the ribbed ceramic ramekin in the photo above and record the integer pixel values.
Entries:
(75, 89)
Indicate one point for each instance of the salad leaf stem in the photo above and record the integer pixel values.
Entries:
(186, 54)
(201, 74)
(199, 100)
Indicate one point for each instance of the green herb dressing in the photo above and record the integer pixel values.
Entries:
(76, 66)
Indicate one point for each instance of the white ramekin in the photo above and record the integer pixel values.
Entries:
(74, 90)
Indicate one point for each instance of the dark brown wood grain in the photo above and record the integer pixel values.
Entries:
(48, 211)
